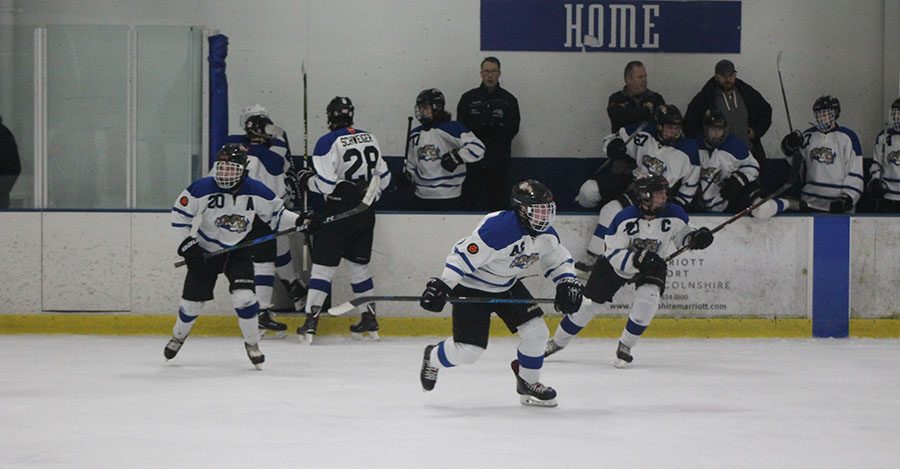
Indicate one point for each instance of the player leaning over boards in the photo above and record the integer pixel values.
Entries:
(346, 161)
(489, 263)
(222, 207)
(637, 239)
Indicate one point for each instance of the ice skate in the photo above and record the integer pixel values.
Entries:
(429, 373)
(173, 347)
(256, 357)
(623, 356)
(269, 328)
(310, 325)
(533, 394)
(296, 291)
(552, 347)
(367, 324)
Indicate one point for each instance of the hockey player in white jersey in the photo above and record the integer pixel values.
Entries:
(438, 153)
(215, 212)
(728, 172)
(832, 160)
(346, 161)
(489, 263)
(662, 150)
(884, 183)
(637, 241)
(267, 162)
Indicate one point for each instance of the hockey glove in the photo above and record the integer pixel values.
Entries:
(877, 188)
(435, 295)
(791, 143)
(615, 149)
(842, 205)
(700, 239)
(404, 181)
(568, 296)
(308, 222)
(451, 160)
(191, 251)
(732, 187)
(648, 261)
(303, 176)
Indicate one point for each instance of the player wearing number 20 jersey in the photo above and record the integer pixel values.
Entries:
(346, 161)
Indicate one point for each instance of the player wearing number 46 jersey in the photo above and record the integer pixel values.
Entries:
(346, 161)
(637, 242)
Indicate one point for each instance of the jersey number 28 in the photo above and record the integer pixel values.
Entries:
(362, 164)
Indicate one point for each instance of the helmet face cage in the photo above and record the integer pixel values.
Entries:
(652, 193)
(540, 216)
(231, 160)
(714, 121)
(895, 118)
(825, 119)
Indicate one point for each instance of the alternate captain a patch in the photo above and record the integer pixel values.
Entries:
(472, 248)
(183, 201)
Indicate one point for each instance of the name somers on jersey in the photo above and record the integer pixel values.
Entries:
(499, 251)
(347, 154)
(224, 219)
(679, 163)
(629, 232)
(423, 161)
(886, 164)
(266, 163)
(834, 166)
(718, 164)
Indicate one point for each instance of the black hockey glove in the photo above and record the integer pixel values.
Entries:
(732, 187)
(568, 296)
(404, 181)
(308, 221)
(435, 295)
(303, 176)
(615, 149)
(648, 261)
(842, 205)
(700, 239)
(191, 251)
(877, 188)
(451, 160)
(791, 143)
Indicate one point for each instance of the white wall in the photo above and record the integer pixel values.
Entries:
(382, 53)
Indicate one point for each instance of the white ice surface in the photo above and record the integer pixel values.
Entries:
(97, 402)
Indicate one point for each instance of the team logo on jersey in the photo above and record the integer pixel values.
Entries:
(523, 261)
(183, 201)
(233, 223)
(429, 153)
(823, 155)
(472, 248)
(654, 165)
(710, 175)
(893, 158)
(651, 245)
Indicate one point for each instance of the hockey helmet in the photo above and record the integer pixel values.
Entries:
(231, 163)
(258, 128)
(668, 115)
(252, 110)
(533, 203)
(715, 127)
(895, 114)
(340, 112)
(827, 110)
(651, 193)
(433, 99)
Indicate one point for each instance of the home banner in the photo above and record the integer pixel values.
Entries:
(609, 26)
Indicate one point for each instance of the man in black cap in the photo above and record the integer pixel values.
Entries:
(746, 111)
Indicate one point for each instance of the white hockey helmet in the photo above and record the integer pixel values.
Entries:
(250, 111)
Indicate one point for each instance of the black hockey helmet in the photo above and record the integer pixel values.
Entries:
(643, 188)
(827, 110)
(534, 205)
(231, 164)
(256, 127)
(340, 112)
(433, 98)
(714, 119)
(671, 115)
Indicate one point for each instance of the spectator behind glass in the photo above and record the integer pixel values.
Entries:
(749, 115)
(492, 113)
(10, 167)
(634, 103)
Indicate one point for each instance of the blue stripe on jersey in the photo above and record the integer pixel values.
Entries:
(628, 213)
(600, 231)
(181, 225)
(562, 276)
(464, 258)
(453, 128)
(833, 186)
(551, 231)
(856, 175)
(455, 269)
(891, 179)
(500, 230)
(251, 186)
(323, 145)
(203, 187)
(273, 162)
(674, 211)
(325, 180)
(625, 261)
(567, 261)
(212, 240)
(178, 210)
(452, 176)
(507, 284)
(614, 253)
(735, 146)
(531, 363)
(689, 148)
(749, 166)
(854, 140)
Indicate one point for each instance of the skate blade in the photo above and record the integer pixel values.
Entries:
(257, 366)
(309, 338)
(619, 363)
(270, 334)
(369, 335)
(535, 402)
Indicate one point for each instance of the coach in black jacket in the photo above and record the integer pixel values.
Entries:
(749, 115)
(492, 113)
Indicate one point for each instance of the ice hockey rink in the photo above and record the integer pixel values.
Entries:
(99, 401)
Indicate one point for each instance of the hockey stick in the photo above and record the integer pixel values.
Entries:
(367, 201)
(348, 306)
(783, 96)
(306, 241)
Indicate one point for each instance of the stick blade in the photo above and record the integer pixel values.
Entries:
(341, 309)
